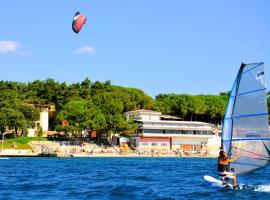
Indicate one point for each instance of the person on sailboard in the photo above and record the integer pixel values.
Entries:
(223, 164)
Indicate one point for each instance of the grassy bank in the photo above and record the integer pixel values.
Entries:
(21, 142)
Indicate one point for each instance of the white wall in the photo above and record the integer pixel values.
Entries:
(31, 132)
(143, 115)
(177, 141)
(150, 117)
(213, 145)
(44, 119)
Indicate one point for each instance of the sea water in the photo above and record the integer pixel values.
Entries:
(121, 178)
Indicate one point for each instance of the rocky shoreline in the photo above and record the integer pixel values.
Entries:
(64, 149)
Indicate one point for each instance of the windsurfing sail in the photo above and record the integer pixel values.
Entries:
(245, 130)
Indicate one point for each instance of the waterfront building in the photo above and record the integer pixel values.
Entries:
(157, 132)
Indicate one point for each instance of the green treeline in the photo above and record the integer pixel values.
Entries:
(206, 108)
(97, 105)
(84, 105)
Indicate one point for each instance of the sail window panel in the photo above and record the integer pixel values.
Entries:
(253, 66)
(250, 104)
(256, 151)
(249, 83)
(244, 168)
(251, 157)
(251, 127)
(252, 80)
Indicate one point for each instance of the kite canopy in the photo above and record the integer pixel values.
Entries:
(78, 22)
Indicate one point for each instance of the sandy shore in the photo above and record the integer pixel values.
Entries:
(57, 149)
(138, 155)
(27, 153)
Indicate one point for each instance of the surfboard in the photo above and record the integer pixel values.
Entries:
(218, 183)
(215, 182)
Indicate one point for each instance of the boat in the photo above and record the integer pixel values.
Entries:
(245, 130)
(81, 155)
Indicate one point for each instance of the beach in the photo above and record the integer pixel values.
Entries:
(64, 149)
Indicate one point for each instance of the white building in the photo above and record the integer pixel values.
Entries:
(46, 112)
(166, 133)
(44, 118)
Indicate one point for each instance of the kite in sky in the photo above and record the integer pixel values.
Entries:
(78, 22)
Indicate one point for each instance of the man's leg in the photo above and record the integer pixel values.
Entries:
(234, 181)
(223, 179)
(230, 175)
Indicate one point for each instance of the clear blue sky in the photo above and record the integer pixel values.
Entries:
(172, 46)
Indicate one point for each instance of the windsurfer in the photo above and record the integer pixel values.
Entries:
(223, 164)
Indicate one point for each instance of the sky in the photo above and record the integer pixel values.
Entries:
(174, 46)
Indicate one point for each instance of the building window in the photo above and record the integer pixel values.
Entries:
(169, 131)
(134, 116)
(144, 143)
(164, 144)
(154, 144)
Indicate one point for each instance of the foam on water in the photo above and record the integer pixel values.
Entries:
(263, 188)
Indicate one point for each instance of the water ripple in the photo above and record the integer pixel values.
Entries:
(120, 178)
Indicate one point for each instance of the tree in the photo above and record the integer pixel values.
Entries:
(3, 121)
(12, 119)
(9, 97)
(30, 113)
(85, 89)
(196, 106)
(74, 112)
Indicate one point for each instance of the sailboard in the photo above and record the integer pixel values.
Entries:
(245, 130)
(215, 182)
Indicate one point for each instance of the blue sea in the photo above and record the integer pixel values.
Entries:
(121, 178)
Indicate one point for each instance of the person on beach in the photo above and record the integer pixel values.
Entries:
(223, 164)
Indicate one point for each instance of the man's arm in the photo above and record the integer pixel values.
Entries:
(235, 158)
